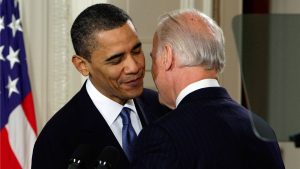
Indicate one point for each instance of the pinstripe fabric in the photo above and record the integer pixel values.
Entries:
(208, 130)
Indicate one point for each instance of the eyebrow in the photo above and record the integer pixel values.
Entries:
(138, 45)
(118, 55)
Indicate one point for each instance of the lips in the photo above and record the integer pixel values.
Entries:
(134, 81)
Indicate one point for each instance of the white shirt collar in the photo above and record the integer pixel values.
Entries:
(108, 108)
(195, 86)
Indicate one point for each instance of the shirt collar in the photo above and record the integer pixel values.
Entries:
(195, 86)
(108, 108)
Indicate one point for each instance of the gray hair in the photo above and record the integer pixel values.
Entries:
(192, 44)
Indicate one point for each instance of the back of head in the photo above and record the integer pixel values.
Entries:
(195, 38)
(96, 18)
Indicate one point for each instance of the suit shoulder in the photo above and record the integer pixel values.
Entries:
(149, 97)
(63, 116)
(149, 93)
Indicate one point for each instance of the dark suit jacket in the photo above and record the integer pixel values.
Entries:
(208, 130)
(79, 122)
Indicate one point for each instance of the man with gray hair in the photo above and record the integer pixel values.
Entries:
(207, 129)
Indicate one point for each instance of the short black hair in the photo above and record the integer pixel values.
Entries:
(96, 18)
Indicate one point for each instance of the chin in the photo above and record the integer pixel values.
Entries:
(140, 90)
(135, 92)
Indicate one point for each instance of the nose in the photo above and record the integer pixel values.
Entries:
(131, 65)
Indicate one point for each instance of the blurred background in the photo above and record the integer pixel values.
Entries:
(262, 55)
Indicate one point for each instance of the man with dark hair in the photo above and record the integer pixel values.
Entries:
(112, 106)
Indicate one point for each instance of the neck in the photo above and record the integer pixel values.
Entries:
(187, 75)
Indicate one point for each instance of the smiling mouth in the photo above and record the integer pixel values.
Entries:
(136, 82)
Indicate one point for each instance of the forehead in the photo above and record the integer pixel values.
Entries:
(124, 33)
(121, 39)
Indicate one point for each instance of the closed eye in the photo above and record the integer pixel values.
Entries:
(115, 59)
(137, 49)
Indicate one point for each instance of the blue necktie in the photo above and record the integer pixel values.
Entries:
(128, 133)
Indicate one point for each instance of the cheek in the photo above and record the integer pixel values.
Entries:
(161, 83)
(162, 91)
(141, 61)
(154, 73)
(111, 75)
(154, 70)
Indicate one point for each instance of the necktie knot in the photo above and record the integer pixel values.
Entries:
(125, 115)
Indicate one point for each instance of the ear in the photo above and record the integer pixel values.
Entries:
(80, 64)
(168, 58)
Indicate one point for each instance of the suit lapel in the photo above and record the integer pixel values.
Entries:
(94, 128)
(140, 110)
(148, 107)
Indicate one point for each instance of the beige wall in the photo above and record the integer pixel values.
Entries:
(230, 78)
(290, 155)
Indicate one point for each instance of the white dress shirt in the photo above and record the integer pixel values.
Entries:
(195, 86)
(110, 111)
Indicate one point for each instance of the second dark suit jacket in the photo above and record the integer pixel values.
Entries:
(79, 122)
(208, 130)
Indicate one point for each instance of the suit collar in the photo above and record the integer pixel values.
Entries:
(140, 110)
(195, 86)
(108, 108)
(205, 94)
(90, 116)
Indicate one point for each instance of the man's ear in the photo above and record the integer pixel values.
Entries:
(168, 58)
(80, 64)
